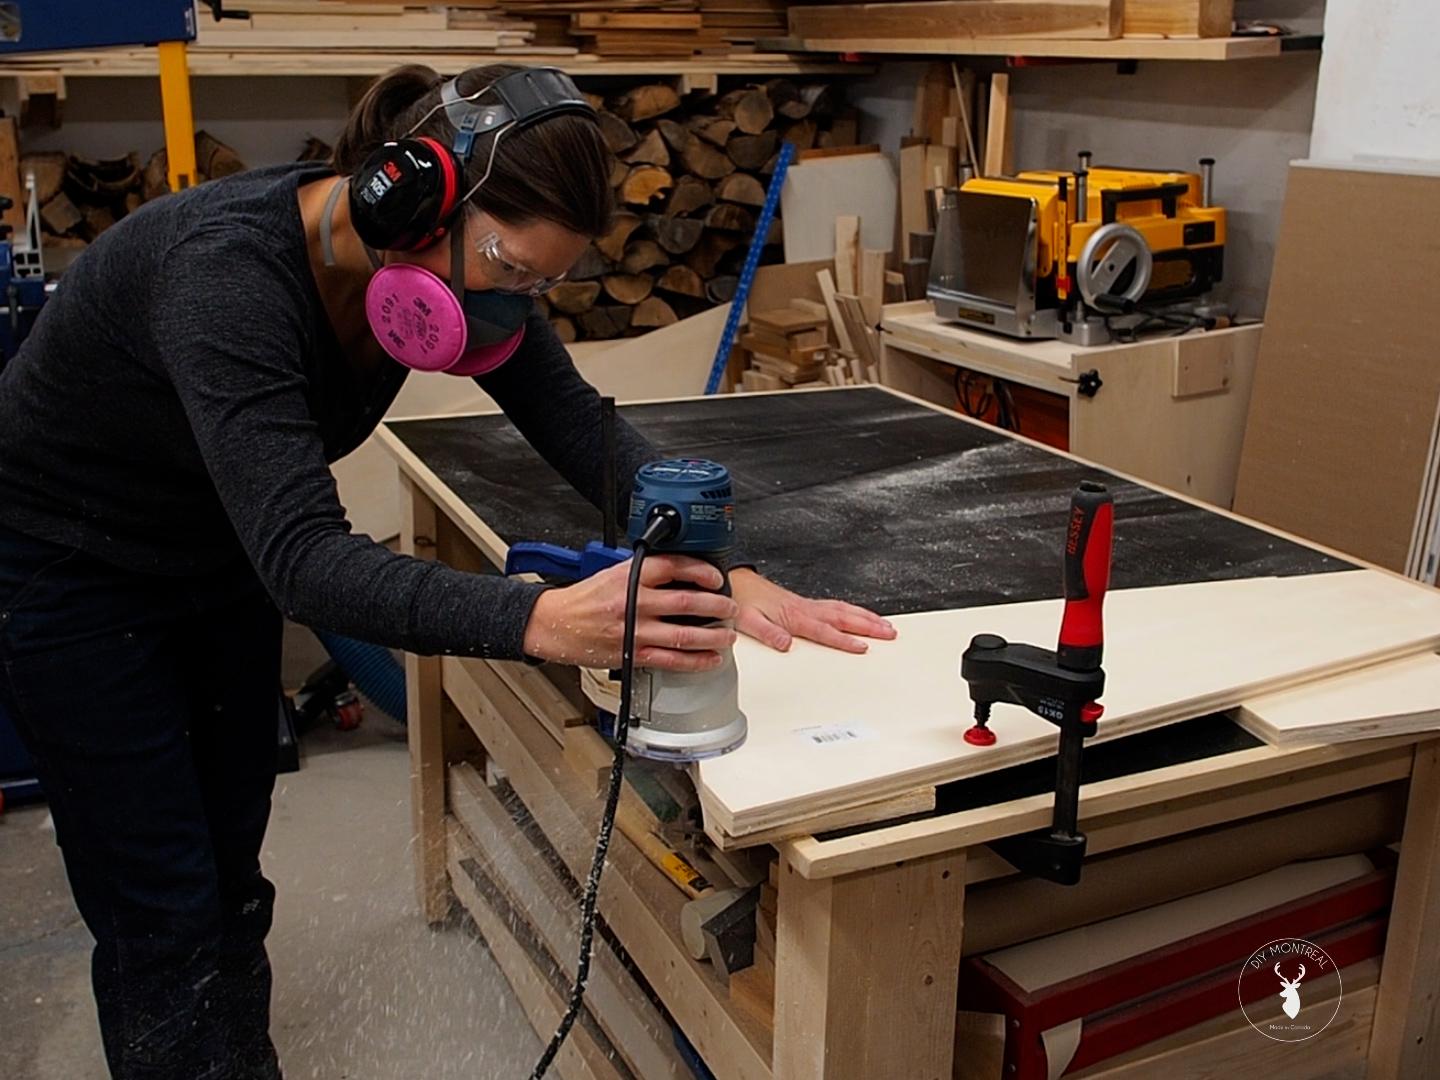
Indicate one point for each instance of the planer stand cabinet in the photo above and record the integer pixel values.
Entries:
(1168, 410)
(871, 926)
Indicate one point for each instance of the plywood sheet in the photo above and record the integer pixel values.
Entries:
(1049, 19)
(1344, 403)
(1398, 698)
(673, 361)
(817, 192)
(828, 729)
(775, 286)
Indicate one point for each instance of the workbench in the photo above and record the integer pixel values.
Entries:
(1168, 409)
(873, 919)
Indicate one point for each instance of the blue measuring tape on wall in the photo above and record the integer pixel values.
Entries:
(747, 272)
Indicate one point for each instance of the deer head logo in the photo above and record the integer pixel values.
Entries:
(1290, 992)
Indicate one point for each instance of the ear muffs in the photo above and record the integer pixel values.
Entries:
(404, 194)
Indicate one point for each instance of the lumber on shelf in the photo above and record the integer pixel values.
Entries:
(339, 60)
(787, 347)
(941, 19)
(1179, 18)
(607, 28)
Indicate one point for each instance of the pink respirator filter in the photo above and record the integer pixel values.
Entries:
(420, 323)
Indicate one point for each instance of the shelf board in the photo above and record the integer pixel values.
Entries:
(1132, 48)
(209, 61)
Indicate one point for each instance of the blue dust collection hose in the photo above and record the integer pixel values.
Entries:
(372, 668)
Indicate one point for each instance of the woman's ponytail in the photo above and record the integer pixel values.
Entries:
(376, 119)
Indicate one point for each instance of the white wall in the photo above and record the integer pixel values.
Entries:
(1379, 89)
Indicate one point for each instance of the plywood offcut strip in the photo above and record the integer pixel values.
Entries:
(1398, 698)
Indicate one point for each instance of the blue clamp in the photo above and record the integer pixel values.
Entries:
(552, 560)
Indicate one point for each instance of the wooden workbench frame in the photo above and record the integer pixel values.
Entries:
(871, 926)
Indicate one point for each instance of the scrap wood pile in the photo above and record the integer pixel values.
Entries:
(690, 176)
(830, 337)
(615, 28)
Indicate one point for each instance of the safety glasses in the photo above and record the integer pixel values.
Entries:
(504, 273)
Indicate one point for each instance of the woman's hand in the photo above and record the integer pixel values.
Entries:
(776, 616)
(584, 623)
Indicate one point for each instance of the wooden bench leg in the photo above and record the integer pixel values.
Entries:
(866, 970)
(425, 728)
(1405, 1038)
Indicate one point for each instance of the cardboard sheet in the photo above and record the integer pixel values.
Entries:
(1343, 409)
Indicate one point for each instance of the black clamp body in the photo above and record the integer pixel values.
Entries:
(1033, 678)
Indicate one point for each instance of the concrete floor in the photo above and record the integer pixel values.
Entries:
(363, 989)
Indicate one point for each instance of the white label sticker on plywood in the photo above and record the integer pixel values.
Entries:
(829, 734)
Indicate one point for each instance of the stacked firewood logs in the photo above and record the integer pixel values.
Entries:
(690, 177)
(80, 198)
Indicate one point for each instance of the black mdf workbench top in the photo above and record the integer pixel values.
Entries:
(870, 497)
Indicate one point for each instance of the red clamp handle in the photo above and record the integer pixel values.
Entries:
(1087, 575)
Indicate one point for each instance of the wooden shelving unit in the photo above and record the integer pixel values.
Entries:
(230, 62)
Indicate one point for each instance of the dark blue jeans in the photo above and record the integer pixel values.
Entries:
(149, 704)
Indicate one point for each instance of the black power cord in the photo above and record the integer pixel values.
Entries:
(964, 395)
(996, 395)
(1119, 305)
(218, 9)
(660, 526)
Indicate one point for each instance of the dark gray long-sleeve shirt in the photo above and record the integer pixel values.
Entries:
(175, 409)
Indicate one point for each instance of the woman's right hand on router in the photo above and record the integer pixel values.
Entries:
(584, 623)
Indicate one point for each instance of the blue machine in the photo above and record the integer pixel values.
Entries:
(698, 492)
(50, 25)
(22, 291)
(54, 25)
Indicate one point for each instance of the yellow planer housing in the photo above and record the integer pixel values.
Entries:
(1061, 254)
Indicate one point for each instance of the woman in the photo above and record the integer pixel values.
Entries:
(165, 435)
